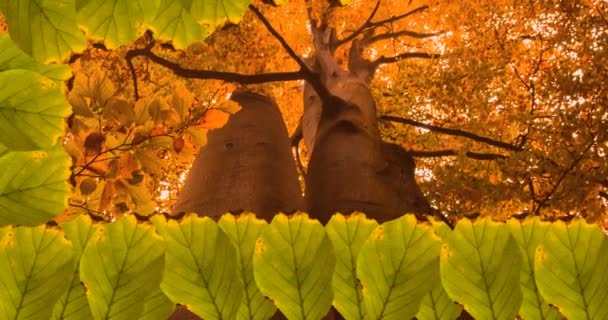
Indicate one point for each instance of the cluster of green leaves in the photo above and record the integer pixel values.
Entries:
(33, 108)
(49, 31)
(244, 268)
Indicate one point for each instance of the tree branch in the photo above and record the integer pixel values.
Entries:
(452, 152)
(561, 178)
(209, 74)
(453, 132)
(408, 33)
(313, 78)
(406, 55)
(360, 30)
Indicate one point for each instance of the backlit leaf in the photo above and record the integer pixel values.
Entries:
(44, 29)
(120, 267)
(112, 22)
(293, 265)
(397, 266)
(73, 303)
(11, 57)
(33, 186)
(528, 235)
(347, 235)
(570, 268)
(244, 230)
(32, 110)
(157, 306)
(35, 270)
(175, 23)
(480, 267)
(201, 267)
(437, 305)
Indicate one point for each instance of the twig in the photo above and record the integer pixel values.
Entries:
(562, 177)
(453, 132)
(360, 30)
(395, 18)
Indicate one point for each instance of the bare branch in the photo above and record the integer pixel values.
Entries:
(408, 33)
(211, 74)
(313, 78)
(452, 152)
(399, 17)
(406, 55)
(453, 132)
(303, 67)
(561, 178)
(362, 28)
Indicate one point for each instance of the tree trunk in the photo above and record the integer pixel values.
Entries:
(246, 165)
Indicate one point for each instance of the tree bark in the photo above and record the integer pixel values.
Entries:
(245, 166)
(350, 167)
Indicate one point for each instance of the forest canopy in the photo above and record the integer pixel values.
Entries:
(502, 104)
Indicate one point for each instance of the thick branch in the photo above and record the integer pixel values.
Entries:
(211, 74)
(453, 132)
(313, 78)
(452, 152)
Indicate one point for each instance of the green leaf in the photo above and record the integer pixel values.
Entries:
(157, 306)
(201, 267)
(293, 265)
(73, 303)
(32, 110)
(480, 266)
(35, 270)
(114, 22)
(3, 150)
(397, 266)
(189, 21)
(11, 57)
(347, 235)
(244, 231)
(46, 30)
(528, 235)
(215, 13)
(120, 267)
(437, 305)
(570, 267)
(175, 23)
(33, 186)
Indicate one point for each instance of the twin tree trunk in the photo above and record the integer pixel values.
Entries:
(248, 164)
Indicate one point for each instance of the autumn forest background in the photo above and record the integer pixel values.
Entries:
(503, 104)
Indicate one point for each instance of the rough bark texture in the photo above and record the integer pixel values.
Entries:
(350, 167)
(246, 165)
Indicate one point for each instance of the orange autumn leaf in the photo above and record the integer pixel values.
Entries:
(127, 165)
(213, 119)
